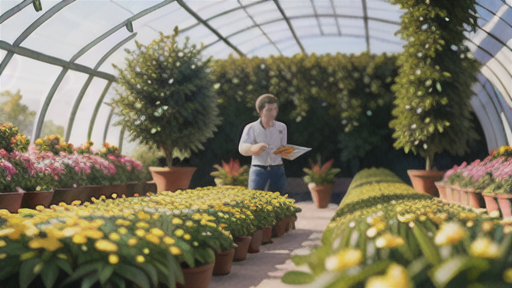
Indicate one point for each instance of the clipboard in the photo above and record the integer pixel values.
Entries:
(297, 151)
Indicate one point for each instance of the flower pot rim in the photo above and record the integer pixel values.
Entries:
(166, 168)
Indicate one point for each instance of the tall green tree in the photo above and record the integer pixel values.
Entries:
(13, 111)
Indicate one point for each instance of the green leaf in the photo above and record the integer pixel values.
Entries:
(428, 247)
(49, 274)
(7, 271)
(133, 274)
(88, 281)
(118, 281)
(105, 273)
(297, 278)
(438, 86)
(27, 274)
(82, 271)
(444, 273)
(151, 272)
(64, 265)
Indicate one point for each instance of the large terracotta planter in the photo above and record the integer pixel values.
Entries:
(441, 188)
(490, 203)
(266, 236)
(11, 201)
(321, 194)
(223, 261)
(172, 179)
(456, 195)
(423, 181)
(243, 246)
(68, 195)
(32, 199)
(118, 189)
(475, 198)
(257, 237)
(198, 277)
(504, 201)
(449, 194)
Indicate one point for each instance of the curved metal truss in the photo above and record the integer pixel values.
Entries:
(242, 27)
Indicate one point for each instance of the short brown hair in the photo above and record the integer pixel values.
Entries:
(265, 99)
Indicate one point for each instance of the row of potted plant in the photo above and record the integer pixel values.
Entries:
(399, 238)
(482, 183)
(141, 240)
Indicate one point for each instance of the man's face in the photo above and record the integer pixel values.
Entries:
(269, 112)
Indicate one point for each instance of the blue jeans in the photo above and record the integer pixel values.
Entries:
(258, 178)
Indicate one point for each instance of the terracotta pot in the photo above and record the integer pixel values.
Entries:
(474, 198)
(449, 194)
(464, 197)
(504, 201)
(291, 223)
(172, 179)
(456, 195)
(266, 236)
(280, 228)
(223, 261)
(68, 195)
(490, 203)
(321, 194)
(257, 237)
(243, 245)
(198, 277)
(32, 199)
(441, 188)
(423, 181)
(11, 201)
(118, 189)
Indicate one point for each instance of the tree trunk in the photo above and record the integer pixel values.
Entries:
(429, 163)
(168, 155)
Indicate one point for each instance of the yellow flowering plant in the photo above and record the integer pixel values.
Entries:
(386, 235)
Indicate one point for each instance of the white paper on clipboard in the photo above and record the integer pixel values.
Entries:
(299, 150)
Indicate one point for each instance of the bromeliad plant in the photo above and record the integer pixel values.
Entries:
(166, 98)
(320, 174)
(231, 174)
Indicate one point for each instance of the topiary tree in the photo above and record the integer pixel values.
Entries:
(165, 97)
(433, 86)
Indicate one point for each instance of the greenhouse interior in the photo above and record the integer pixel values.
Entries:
(256, 143)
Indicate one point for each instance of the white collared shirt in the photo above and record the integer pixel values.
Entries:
(275, 137)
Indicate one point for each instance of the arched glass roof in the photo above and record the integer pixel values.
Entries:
(60, 58)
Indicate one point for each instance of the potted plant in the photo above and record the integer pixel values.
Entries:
(166, 99)
(433, 86)
(320, 179)
(231, 174)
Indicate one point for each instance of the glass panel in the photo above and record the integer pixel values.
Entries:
(351, 26)
(83, 116)
(264, 12)
(282, 29)
(323, 7)
(198, 35)
(244, 36)
(33, 79)
(207, 9)
(253, 42)
(75, 26)
(349, 8)
(386, 11)
(113, 131)
(333, 44)
(297, 8)
(101, 119)
(14, 26)
(165, 19)
(232, 22)
(291, 49)
(219, 50)
(64, 98)
(385, 31)
(329, 25)
(306, 26)
(136, 6)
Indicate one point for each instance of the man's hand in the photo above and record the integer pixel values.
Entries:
(257, 149)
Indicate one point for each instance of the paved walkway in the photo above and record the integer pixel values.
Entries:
(265, 269)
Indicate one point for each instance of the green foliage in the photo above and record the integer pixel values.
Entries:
(432, 110)
(12, 110)
(11, 139)
(50, 128)
(165, 97)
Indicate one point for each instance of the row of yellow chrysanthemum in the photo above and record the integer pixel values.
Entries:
(151, 235)
(394, 237)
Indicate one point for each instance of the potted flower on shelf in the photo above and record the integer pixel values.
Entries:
(231, 174)
(320, 179)
(166, 99)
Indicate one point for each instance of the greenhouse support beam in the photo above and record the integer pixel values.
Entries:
(207, 25)
(261, 30)
(316, 17)
(121, 139)
(107, 124)
(80, 96)
(366, 28)
(96, 109)
(335, 18)
(9, 13)
(290, 26)
(53, 60)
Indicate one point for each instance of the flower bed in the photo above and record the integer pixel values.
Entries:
(139, 240)
(387, 235)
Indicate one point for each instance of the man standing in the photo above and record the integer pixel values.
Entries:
(259, 140)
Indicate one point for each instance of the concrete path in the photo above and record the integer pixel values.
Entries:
(265, 269)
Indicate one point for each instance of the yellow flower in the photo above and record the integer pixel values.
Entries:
(187, 236)
(153, 238)
(143, 215)
(2, 243)
(484, 247)
(145, 251)
(3, 256)
(113, 259)
(450, 233)
(196, 216)
(105, 245)
(142, 224)
(343, 259)
(157, 232)
(79, 239)
(70, 231)
(132, 241)
(48, 243)
(122, 230)
(168, 240)
(140, 232)
(140, 259)
(179, 232)
(189, 223)
(507, 275)
(396, 277)
(177, 221)
(175, 250)
(93, 234)
(406, 218)
(114, 236)
(388, 241)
